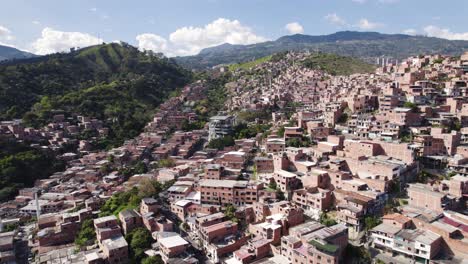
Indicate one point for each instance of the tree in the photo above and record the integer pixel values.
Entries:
(280, 195)
(10, 227)
(326, 220)
(86, 236)
(343, 118)
(272, 185)
(139, 240)
(254, 172)
(280, 132)
(146, 188)
(166, 163)
(298, 142)
(357, 255)
(221, 143)
(371, 222)
(414, 108)
(230, 212)
(21, 166)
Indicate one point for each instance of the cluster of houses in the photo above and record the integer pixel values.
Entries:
(398, 135)
(59, 134)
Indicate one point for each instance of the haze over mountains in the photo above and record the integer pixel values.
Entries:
(9, 53)
(364, 45)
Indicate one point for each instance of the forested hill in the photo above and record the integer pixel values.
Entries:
(110, 81)
(10, 53)
(363, 45)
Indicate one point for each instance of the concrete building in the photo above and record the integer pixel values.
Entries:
(412, 243)
(220, 126)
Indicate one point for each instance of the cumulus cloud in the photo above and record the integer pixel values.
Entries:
(294, 28)
(52, 41)
(5, 34)
(434, 31)
(335, 19)
(191, 40)
(410, 31)
(365, 24)
(148, 41)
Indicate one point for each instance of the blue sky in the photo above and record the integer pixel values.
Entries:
(184, 27)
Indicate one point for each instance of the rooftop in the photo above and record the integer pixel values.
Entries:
(324, 246)
(172, 241)
(223, 183)
(387, 229)
(115, 243)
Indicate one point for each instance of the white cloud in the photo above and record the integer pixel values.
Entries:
(335, 19)
(410, 31)
(58, 41)
(434, 31)
(294, 28)
(93, 9)
(148, 41)
(4, 31)
(365, 24)
(191, 40)
(35, 22)
(5, 34)
(359, 1)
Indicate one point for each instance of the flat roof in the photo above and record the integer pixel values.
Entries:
(219, 226)
(220, 117)
(115, 243)
(172, 241)
(182, 202)
(386, 228)
(305, 228)
(105, 219)
(222, 183)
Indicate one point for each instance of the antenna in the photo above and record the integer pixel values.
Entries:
(38, 208)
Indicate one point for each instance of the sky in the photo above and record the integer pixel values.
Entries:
(184, 27)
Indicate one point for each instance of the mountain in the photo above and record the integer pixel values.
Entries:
(115, 83)
(364, 45)
(9, 53)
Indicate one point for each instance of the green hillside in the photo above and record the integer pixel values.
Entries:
(363, 45)
(113, 82)
(249, 64)
(337, 65)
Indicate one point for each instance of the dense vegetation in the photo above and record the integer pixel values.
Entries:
(326, 220)
(249, 64)
(216, 95)
(243, 130)
(9, 53)
(363, 45)
(131, 199)
(138, 240)
(86, 235)
(21, 166)
(113, 82)
(221, 142)
(337, 65)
